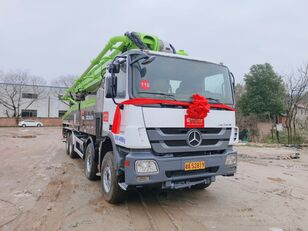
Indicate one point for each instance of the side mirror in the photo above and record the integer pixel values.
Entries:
(233, 82)
(114, 68)
(111, 86)
(142, 70)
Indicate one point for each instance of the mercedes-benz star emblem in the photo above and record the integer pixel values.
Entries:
(194, 138)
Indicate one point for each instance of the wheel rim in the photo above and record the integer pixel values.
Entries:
(89, 161)
(107, 179)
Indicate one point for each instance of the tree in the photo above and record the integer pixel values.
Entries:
(13, 86)
(63, 82)
(239, 91)
(297, 86)
(265, 93)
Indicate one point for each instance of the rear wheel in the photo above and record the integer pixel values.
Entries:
(38, 125)
(200, 186)
(109, 181)
(90, 162)
(71, 151)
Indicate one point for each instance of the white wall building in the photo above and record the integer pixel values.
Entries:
(302, 116)
(32, 100)
(302, 112)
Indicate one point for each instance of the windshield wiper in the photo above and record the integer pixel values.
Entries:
(216, 100)
(171, 96)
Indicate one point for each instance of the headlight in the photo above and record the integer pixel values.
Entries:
(231, 159)
(146, 166)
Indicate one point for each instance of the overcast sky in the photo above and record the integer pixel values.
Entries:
(60, 37)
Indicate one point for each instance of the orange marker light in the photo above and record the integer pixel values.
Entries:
(126, 163)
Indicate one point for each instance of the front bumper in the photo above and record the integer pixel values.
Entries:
(171, 170)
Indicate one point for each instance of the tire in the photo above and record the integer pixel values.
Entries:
(67, 143)
(23, 125)
(201, 186)
(38, 125)
(90, 163)
(109, 181)
(71, 151)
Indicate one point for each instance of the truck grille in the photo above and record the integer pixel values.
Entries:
(173, 140)
(191, 173)
(204, 153)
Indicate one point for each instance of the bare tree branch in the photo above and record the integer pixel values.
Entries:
(63, 82)
(13, 85)
(297, 86)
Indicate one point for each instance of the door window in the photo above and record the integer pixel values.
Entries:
(121, 78)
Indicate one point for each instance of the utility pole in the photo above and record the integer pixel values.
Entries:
(48, 106)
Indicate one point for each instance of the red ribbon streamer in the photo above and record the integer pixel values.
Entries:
(197, 109)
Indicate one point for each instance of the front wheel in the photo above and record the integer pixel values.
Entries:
(23, 125)
(109, 181)
(90, 162)
(38, 125)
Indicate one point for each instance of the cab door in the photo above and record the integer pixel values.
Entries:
(122, 94)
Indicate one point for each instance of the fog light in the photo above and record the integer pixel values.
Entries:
(231, 159)
(146, 166)
(143, 178)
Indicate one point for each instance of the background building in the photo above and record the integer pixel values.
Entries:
(36, 101)
(302, 116)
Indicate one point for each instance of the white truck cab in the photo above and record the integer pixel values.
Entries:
(155, 145)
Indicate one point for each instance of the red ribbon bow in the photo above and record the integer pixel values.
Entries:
(198, 108)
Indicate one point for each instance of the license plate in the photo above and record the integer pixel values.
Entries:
(194, 165)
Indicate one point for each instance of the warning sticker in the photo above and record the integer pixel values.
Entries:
(82, 114)
(105, 116)
(144, 84)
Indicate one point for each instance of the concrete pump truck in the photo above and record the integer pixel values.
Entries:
(144, 114)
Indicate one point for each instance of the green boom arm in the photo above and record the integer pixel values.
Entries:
(91, 79)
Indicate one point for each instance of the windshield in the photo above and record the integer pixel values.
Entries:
(179, 79)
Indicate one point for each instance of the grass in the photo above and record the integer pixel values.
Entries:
(300, 138)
